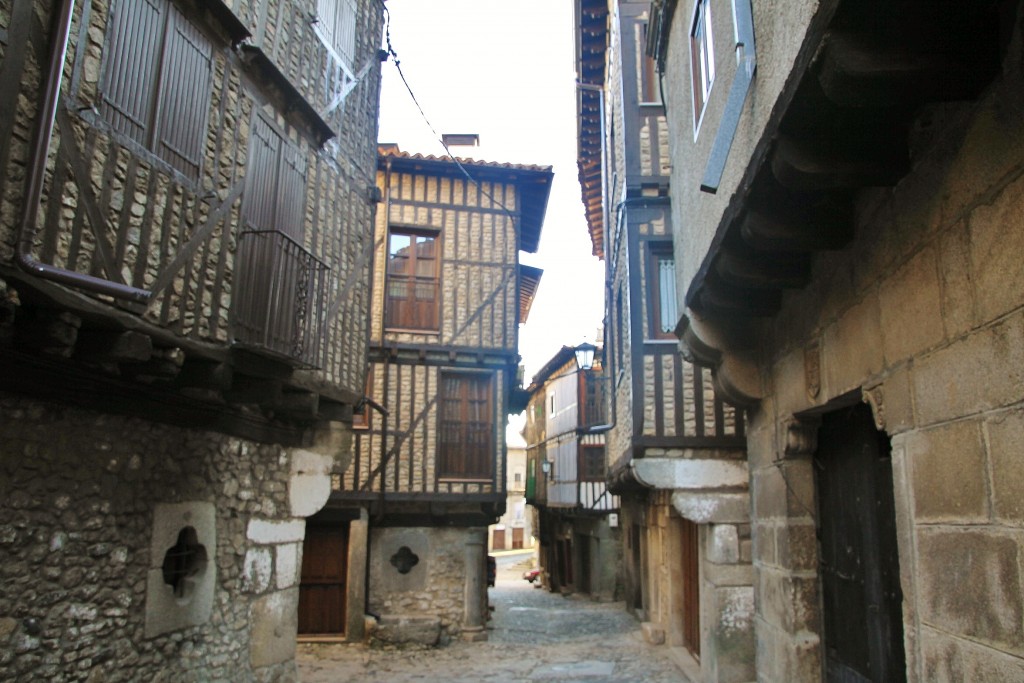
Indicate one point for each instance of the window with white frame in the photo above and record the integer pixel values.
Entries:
(702, 59)
(662, 312)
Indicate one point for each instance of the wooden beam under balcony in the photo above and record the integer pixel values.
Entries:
(246, 389)
(298, 405)
(113, 346)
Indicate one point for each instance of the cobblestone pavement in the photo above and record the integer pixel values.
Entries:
(534, 637)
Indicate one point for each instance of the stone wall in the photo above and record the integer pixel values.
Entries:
(924, 315)
(418, 581)
(84, 498)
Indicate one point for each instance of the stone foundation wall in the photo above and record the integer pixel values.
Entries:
(427, 581)
(85, 499)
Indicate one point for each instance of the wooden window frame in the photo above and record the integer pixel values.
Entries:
(650, 91)
(656, 253)
(588, 455)
(155, 90)
(413, 281)
(454, 460)
(702, 60)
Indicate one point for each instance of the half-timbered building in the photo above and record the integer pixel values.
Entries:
(186, 208)
(674, 445)
(577, 516)
(428, 474)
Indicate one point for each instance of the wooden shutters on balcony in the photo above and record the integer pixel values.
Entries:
(278, 303)
(413, 281)
(156, 82)
(466, 431)
(336, 20)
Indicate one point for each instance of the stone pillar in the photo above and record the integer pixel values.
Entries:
(476, 585)
(355, 599)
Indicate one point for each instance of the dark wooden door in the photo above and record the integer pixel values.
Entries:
(322, 590)
(498, 539)
(859, 562)
(690, 545)
(583, 548)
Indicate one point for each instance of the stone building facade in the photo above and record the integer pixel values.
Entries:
(428, 474)
(846, 207)
(675, 443)
(184, 220)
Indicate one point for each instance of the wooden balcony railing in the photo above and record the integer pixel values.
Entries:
(279, 297)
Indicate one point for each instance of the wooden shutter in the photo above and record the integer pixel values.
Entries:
(338, 25)
(466, 443)
(346, 32)
(184, 96)
(291, 192)
(261, 177)
(135, 36)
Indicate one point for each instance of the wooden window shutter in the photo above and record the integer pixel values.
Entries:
(465, 434)
(260, 190)
(346, 40)
(291, 191)
(133, 54)
(184, 96)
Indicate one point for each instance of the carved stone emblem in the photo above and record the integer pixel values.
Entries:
(812, 370)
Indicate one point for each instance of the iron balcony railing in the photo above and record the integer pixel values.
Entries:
(279, 297)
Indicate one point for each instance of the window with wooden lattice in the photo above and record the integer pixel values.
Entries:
(465, 442)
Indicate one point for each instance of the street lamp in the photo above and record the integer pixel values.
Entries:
(585, 356)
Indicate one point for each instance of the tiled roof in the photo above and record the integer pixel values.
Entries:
(533, 182)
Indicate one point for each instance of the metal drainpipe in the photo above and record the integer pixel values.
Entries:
(59, 35)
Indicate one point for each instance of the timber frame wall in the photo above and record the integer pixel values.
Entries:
(170, 232)
(478, 228)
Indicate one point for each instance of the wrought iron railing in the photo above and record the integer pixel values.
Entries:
(278, 304)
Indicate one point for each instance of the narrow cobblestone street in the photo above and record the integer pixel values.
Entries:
(534, 636)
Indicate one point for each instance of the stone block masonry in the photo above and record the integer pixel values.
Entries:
(88, 500)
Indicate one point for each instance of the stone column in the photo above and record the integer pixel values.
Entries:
(476, 585)
(355, 600)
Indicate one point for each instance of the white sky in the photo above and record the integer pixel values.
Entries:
(504, 70)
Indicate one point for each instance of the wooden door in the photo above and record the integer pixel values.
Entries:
(498, 539)
(517, 537)
(322, 588)
(863, 618)
(690, 560)
(583, 548)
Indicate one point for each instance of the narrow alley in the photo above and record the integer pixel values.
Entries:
(534, 636)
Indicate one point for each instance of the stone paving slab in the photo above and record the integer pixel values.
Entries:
(534, 637)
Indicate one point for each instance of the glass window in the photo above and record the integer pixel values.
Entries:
(702, 59)
(662, 311)
(413, 281)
